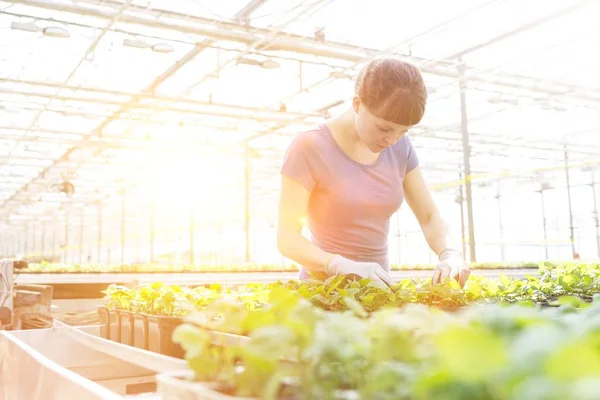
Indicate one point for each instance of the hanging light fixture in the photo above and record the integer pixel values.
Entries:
(56, 32)
(270, 64)
(137, 43)
(163, 48)
(339, 74)
(25, 26)
(267, 63)
(50, 31)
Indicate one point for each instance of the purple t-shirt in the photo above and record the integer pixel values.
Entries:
(351, 203)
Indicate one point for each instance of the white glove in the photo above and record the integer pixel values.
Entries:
(452, 265)
(338, 265)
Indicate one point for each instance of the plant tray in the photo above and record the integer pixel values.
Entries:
(148, 332)
(152, 332)
(177, 385)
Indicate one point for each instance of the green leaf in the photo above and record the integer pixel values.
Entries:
(192, 339)
(575, 361)
(284, 300)
(470, 353)
(355, 307)
(364, 282)
(257, 319)
(215, 287)
(474, 288)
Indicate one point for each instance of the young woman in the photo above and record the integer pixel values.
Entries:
(349, 175)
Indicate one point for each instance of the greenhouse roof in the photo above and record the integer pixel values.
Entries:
(117, 95)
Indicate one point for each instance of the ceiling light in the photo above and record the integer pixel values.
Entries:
(163, 48)
(247, 61)
(25, 26)
(340, 75)
(140, 44)
(56, 32)
(270, 64)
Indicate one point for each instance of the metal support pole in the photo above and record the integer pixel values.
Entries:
(123, 219)
(500, 225)
(192, 218)
(571, 228)
(300, 76)
(398, 235)
(25, 242)
(247, 201)
(467, 160)
(54, 242)
(152, 231)
(541, 191)
(461, 203)
(43, 244)
(596, 216)
(33, 242)
(66, 244)
(99, 232)
(82, 223)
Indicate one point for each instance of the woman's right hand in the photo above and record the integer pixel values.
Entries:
(338, 265)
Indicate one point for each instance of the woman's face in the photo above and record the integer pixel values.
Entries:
(376, 133)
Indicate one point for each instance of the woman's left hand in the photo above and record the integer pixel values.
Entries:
(452, 265)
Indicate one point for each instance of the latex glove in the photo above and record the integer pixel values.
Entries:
(452, 264)
(338, 265)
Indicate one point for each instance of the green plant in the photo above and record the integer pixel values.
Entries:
(503, 351)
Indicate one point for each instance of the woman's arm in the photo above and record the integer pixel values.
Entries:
(435, 229)
(420, 201)
(293, 206)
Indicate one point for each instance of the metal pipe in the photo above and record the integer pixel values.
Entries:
(123, 219)
(571, 228)
(146, 95)
(54, 242)
(26, 241)
(247, 202)
(500, 224)
(99, 250)
(81, 241)
(541, 191)
(398, 236)
(300, 77)
(220, 110)
(461, 201)
(43, 244)
(152, 227)
(467, 163)
(596, 216)
(33, 241)
(191, 232)
(66, 244)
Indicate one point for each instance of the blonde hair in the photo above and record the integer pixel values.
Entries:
(393, 90)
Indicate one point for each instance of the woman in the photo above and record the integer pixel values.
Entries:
(350, 174)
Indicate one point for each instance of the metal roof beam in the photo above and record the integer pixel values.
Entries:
(283, 41)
